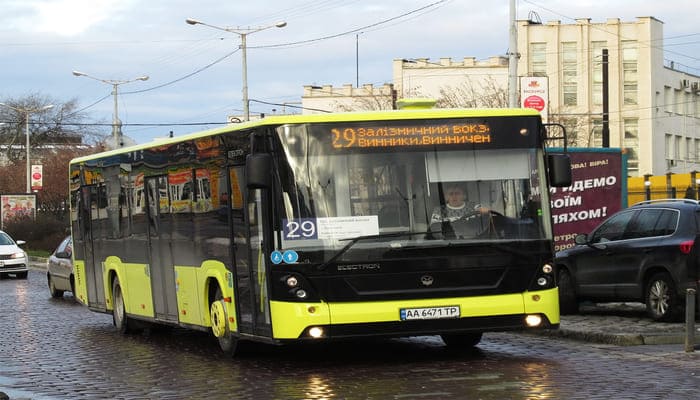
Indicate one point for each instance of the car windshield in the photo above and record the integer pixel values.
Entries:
(5, 239)
(328, 199)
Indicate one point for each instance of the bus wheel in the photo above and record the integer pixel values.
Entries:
(568, 304)
(461, 340)
(219, 324)
(119, 318)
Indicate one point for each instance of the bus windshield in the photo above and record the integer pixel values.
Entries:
(329, 197)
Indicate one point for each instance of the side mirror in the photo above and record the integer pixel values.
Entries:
(20, 242)
(258, 170)
(559, 170)
(581, 238)
(63, 254)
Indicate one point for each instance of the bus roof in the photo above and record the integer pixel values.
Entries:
(386, 115)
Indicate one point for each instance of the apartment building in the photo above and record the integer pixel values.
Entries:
(653, 107)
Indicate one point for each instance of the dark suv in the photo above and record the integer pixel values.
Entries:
(646, 253)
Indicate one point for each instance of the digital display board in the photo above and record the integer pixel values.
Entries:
(417, 135)
(401, 135)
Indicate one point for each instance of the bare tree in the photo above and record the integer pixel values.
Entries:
(62, 124)
(486, 93)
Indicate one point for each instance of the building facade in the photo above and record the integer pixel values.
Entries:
(653, 108)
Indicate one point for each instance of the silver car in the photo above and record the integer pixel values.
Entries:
(13, 260)
(59, 271)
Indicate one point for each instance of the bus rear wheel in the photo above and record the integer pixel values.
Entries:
(461, 340)
(219, 324)
(119, 318)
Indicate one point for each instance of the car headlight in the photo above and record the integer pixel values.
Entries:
(17, 255)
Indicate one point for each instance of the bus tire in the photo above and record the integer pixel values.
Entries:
(462, 341)
(219, 324)
(119, 318)
(568, 304)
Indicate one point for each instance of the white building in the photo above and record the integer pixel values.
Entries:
(653, 109)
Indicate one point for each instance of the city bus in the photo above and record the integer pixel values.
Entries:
(318, 227)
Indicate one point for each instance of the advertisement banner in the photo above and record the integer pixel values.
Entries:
(17, 206)
(37, 177)
(598, 182)
(534, 93)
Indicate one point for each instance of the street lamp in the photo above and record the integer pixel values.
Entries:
(116, 123)
(26, 112)
(242, 32)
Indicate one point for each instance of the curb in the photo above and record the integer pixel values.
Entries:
(617, 339)
(37, 262)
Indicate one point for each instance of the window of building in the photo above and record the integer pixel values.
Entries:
(631, 143)
(538, 59)
(668, 150)
(630, 55)
(689, 149)
(597, 72)
(569, 78)
(668, 99)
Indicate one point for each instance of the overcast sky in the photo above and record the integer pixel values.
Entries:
(195, 71)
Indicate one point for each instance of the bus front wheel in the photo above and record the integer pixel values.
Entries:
(219, 324)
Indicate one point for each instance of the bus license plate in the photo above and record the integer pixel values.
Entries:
(429, 313)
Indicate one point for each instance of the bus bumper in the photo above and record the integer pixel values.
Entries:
(385, 318)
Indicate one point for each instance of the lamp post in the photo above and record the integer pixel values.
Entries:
(26, 112)
(116, 123)
(243, 33)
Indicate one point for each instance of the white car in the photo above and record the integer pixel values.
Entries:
(59, 270)
(13, 260)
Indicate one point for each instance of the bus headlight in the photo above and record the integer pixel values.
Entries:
(292, 281)
(316, 332)
(533, 320)
(301, 293)
(547, 269)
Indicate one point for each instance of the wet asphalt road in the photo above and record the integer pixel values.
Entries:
(57, 349)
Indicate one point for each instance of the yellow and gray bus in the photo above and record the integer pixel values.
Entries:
(318, 227)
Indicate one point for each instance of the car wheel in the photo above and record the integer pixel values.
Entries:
(568, 304)
(462, 341)
(52, 289)
(661, 300)
(119, 318)
(219, 324)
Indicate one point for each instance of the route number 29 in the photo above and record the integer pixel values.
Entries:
(300, 229)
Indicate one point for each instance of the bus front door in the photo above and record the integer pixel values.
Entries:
(252, 304)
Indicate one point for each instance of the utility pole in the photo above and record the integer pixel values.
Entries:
(513, 60)
(606, 111)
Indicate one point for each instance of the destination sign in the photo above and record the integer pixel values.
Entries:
(406, 136)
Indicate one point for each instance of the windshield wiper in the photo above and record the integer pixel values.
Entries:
(365, 237)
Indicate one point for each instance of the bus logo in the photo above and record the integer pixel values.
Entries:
(426, 280)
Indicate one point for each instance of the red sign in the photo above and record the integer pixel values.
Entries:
(535, 102)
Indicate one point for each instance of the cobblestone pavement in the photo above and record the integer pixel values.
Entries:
(57, 349)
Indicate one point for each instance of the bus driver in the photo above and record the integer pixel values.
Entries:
(456, 208)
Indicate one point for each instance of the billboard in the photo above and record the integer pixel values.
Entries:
(598, 190)
(15, 206)
(534, 93)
